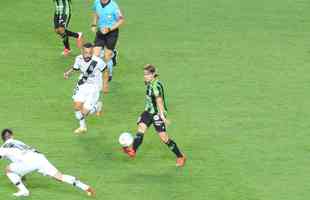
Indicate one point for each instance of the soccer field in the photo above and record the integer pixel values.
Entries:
(237, 80)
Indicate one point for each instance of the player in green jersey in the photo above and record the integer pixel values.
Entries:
(155, 113)
(61, 22)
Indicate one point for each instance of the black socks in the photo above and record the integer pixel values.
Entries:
(174, 148)
(72, 34)
(66, 42)
(138, 141)
(65, 36)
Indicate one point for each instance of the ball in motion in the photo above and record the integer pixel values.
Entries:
(125, 139)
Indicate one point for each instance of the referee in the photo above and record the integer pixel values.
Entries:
(61, 22)
(107, 19)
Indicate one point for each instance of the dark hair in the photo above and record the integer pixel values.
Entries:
(88, 45)
(5, 132)
(151, 68)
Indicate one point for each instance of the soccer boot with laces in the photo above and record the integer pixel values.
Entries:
(129, 151)
(80, 130)
(21, 193)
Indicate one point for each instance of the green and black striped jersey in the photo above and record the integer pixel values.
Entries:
(62, 7)
(154, 89)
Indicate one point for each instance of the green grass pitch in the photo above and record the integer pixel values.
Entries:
(237, 79)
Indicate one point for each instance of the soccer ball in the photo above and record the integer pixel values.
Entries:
(125, 139)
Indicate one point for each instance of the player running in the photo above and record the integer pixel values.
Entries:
(25, 159)
(61, 22)
(155, 113)
(87, 91)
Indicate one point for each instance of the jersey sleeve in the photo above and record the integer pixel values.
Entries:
(76, 65)
(2, 152)
(117, 12)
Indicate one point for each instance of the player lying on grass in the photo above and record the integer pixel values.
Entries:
(155, 113)
(87, 91)
(25, 159)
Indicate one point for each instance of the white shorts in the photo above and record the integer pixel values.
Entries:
(88, 94)
(34, 162)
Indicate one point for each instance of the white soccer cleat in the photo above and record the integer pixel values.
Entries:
(80, 130)
(99, 109)
(21, 194)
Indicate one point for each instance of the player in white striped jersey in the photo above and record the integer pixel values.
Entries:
(25, 159)
(87, 91)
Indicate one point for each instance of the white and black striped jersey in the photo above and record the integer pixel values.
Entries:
(15, 150)
(91, 71)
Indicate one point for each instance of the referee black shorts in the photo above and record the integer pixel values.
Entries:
(108, 40)
(61, 21)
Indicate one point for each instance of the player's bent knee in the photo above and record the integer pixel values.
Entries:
(142, 127)
(61, 30)
(58, 176)
(85, 110)
(78, 106)
(97, 51)
(163, 137)
(108, 54)
(8, 170)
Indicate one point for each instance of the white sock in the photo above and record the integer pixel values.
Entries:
(16, 180)
(82, 123)
(110, 67)
(81, 185)
(73, 181)
(93, 109)
(79, 116)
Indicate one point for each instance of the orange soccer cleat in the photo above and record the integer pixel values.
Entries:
(91, 192)
(181, 161)
(129, 151)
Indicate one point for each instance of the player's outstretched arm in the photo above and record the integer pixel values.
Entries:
(68, 72)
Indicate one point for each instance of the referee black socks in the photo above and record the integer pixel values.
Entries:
(138, 141)
(174, 148)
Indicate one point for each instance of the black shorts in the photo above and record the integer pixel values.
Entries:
(108, 40)
(148, 119)
(61, 21)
